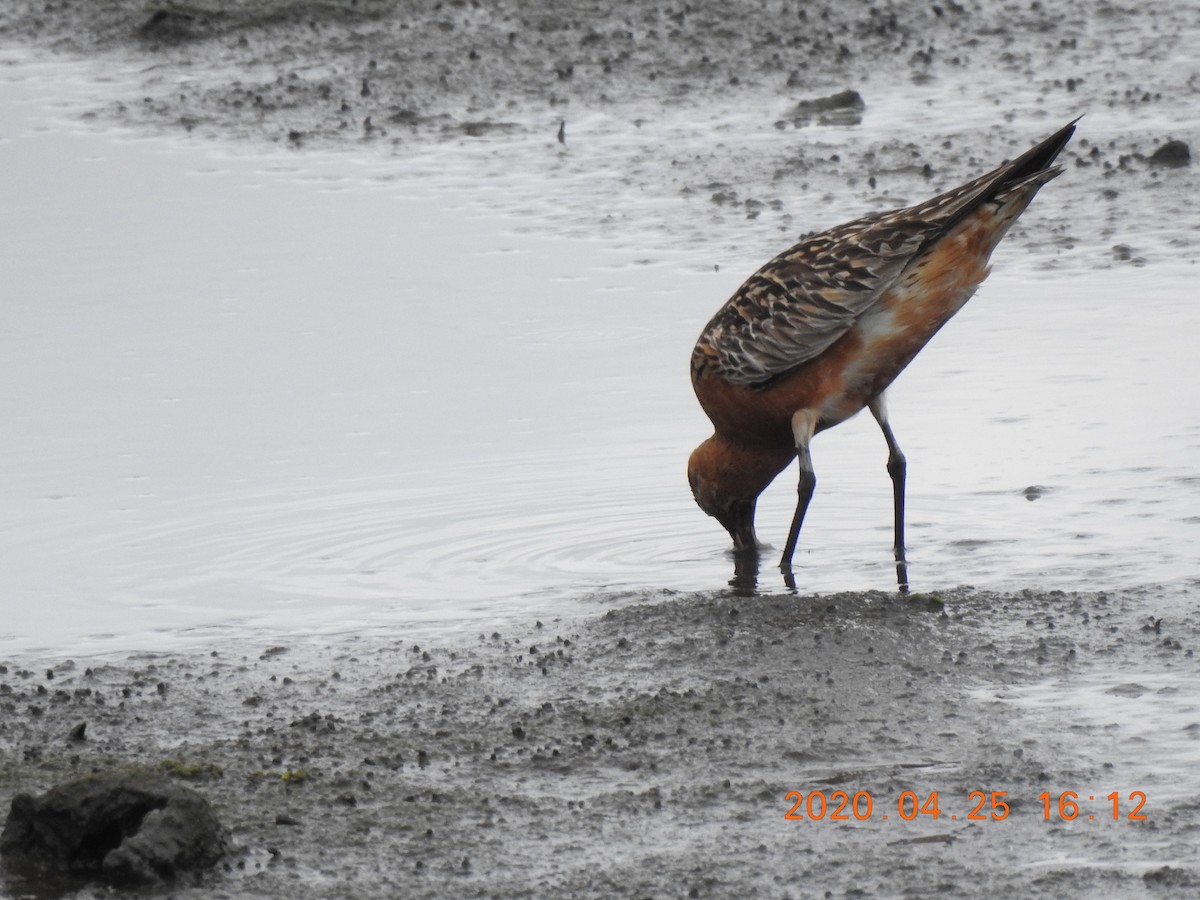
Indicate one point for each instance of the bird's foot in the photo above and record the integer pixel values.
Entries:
(789, 577)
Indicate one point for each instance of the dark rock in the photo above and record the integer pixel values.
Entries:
(121, 828)
(1172, 154)
(844, 108)
(488, 128)
(1168, 876)
(1131, 689)
(169, 26)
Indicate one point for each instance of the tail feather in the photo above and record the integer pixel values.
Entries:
(1034, 166)
(1037, 161)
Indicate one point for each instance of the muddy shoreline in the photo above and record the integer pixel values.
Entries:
(648, 751)
(531, 82)
(644, 753)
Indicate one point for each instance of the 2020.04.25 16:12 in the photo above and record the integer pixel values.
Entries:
(841, 806)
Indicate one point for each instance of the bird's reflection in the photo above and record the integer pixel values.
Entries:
(745, 572)
(747, 563)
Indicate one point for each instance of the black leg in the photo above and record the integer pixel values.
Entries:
(804, 423)
(897, 467)
(789, 579)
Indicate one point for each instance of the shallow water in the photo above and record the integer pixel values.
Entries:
(277, 393)
(1128, 733)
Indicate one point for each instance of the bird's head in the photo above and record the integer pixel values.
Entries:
(726, 480)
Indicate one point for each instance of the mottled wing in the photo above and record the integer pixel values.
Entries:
(802, 301)
(799, 303)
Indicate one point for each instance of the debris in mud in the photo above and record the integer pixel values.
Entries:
(1131, 690)
(1172, 154)
(126, 829)
(486, 128)
(1169, 877)
(1125, 253)
(844, 108)
(171, 26)
(183, 23)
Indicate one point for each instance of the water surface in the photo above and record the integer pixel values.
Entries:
(263, 392)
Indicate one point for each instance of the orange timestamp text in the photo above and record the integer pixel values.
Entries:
(981, 806)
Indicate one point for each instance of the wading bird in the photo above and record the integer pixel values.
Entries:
(820, 331)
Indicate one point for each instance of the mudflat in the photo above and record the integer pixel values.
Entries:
(654, 750)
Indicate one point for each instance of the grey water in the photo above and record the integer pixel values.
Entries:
(247, 392)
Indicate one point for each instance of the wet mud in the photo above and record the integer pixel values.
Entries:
(650, 750)
(537, 83)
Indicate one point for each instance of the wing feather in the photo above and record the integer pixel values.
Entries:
(798, 304)
(802, 301)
